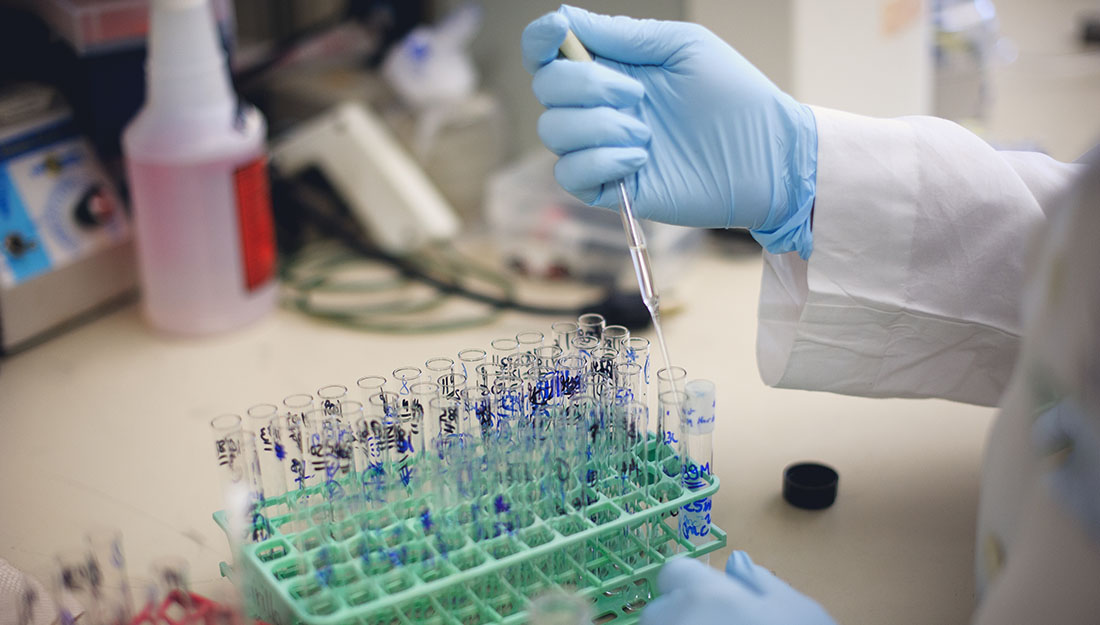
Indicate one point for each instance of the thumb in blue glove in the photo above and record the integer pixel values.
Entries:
(700, 136)
(695, 594)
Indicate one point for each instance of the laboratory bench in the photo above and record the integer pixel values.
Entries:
(108, 425)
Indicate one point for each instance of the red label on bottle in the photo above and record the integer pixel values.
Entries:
(256, 222)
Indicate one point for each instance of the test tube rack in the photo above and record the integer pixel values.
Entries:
(382, 567)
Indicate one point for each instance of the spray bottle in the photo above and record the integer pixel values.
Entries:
(196, 163)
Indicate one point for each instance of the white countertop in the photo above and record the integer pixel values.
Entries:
(108, 425)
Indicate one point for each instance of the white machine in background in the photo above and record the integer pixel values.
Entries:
(65, 241)
(386, 190)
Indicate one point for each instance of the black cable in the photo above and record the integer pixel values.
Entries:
(307, 200)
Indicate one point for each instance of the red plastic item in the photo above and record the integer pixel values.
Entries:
(181, 608)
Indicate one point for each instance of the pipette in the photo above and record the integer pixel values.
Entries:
(574, 50)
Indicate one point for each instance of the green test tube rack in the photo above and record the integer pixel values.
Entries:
(381, 568)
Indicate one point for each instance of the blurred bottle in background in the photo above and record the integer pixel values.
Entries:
(196, 163)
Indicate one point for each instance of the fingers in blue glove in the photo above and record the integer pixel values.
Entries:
(565, 130)
(572, 83)
(740, 567)
(585, 173)
(628, 40)
(541, 40)
(686, 573)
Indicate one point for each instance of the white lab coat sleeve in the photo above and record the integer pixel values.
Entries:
(920, 231)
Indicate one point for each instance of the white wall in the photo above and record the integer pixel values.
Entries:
(1050, 95)
(863, 56)
(497, 52)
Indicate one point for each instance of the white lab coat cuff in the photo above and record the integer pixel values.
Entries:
(853, 319)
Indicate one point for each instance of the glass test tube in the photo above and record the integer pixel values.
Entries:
(73, 584)
(487, 374)
(591, 324)
(226, 430)
(438, 366)
(107, 567)
(615, 336)
(403, 379)
(564, 333)
(503, 349)
(572, 370)
(669, 380)
(548, 355)
(381, 414)
(370, 385)
(628, 383)
(528, 340)
(698, 459)
(468, 361)
(585, 344)
(423, 393)
(263, 421)
(292, 431)
(636, 349)
(329, 397)
(257, 524)
(668, 458)
(171, 581)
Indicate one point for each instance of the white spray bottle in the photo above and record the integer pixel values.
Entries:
(196, 164)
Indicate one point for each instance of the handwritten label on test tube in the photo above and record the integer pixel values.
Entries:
(698, 432)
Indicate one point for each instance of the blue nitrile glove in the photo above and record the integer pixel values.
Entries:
(700, 135)
(692, 593)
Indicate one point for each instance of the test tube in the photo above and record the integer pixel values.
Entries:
(591, 324)
(263, 421)
(585, 344)
(370, 385)
(257, 524)
(423, 393)
(636, 349)
(628, 383)
(698, 459)
(479, 407)
(329, 397)
(381, 414)
(73, 585)
(468, 361)
(226, 430)
(403, 379)
(446, 412)
(564, 332)
(528, 340)
(292, 423)
(503, 349)
(451, 384)
(172, 583)
(438, 366)
(548, 355)
(573, 369)
(615, 336)
(601, 367)
(669, 380)
(668, 456)
(107, 567)
(487, 374)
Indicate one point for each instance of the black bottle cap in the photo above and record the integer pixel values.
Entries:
(809, 485)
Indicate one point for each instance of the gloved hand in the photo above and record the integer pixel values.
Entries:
(700, 135)
(695, 594)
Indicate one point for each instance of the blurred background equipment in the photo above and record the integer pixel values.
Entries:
(387, 191)
(65, 240)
